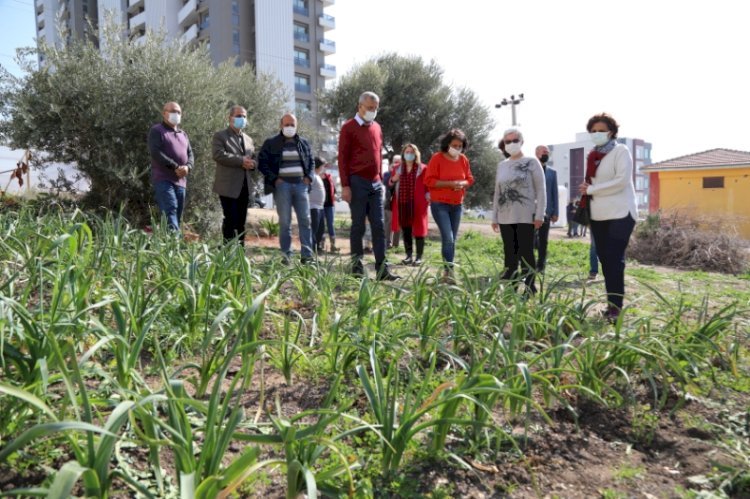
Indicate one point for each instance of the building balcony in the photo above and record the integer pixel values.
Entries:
(303, 63)
(327, 46)
(328, 3)
(41, 34)
(137, 21)
(188, 14)
(202, 6)
(39, 7)
(327, 71)
(135, 5)
(302, 37)
(304, 89)
(303, 11)
(40, 17)
(327, 22)
(191, 34)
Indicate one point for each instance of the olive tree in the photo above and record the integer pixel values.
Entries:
(93, 106)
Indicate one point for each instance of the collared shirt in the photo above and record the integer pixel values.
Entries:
(359, 119)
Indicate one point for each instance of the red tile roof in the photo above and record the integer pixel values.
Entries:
(707, 159)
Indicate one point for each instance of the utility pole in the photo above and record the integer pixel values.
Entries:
(512, 102)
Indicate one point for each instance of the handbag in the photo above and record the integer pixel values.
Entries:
(583, 214)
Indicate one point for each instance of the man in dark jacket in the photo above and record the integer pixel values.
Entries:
(286, 162)
(233, 150)
(552, 212)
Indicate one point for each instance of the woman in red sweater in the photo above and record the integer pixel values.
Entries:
(410, 202)
(448, 175)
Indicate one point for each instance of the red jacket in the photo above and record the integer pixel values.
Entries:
(421, 203)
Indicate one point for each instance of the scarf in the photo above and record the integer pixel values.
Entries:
(406, 185)
(592, 163)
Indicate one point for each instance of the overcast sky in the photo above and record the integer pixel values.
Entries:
(674, 73)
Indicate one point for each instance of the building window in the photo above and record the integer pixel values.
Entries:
(302, 58)
(713, 182)
(303, 106)
(235, 20)
(300, 7)
(204, 21)
(302, 83)
(301, 32)
(235, 7)
(236, 41)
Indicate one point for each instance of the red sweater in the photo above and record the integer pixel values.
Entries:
(441, 168)
(360, 151)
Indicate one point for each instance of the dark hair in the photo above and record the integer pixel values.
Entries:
(453, 133)
(318, 161)
(607, 120)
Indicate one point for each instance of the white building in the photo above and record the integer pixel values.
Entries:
(286, 38)
(569, 160)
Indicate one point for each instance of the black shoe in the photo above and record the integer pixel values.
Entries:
(307, 260)
(321, 248)
(417, 261)
(385, 275)
(358, 270)
(408, 260)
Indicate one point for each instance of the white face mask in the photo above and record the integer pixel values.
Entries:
(599, 138)
(175, 118)
(454, 153)
(513, 148)
(370, 115)
(289, 131)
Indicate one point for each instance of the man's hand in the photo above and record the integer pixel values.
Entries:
(307, 180)
(538, 223)
(346, 194)
(394, 178)
(181, 171)
(248, 163)
(278, 182)
(554, 219)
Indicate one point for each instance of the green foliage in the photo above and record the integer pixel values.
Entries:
(417, 106)
(94, 106)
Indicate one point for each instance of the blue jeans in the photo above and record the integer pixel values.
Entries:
(593, 260)
(288, 195)
(171, 200)
(367, 202)
(612, 238)
(448, 218)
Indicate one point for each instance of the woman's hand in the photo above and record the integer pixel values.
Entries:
(496, 227)
(583, 188)
(538, 223)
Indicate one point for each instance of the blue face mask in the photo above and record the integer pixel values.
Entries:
(240, 122)
(410, 156)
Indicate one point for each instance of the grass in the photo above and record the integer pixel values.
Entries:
(109, 336)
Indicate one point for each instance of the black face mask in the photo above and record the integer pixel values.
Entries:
(544, 158)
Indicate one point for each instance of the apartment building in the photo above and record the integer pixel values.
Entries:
(287, 38)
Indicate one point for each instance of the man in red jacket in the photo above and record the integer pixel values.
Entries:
(360, 165)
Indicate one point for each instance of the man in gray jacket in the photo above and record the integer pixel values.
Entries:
(233, 152)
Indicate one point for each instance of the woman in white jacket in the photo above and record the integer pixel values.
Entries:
(609, 191)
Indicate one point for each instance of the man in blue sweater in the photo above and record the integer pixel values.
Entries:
(552, 212)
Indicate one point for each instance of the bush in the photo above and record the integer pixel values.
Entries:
(94, 107)
(684, 241)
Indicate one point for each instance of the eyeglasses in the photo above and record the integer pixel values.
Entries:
(514, 141)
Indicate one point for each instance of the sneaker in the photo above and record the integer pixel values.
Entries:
(307, 260)
(417, 262)
(592, 276)
(408, 260)
(321, 247)
(448, 278)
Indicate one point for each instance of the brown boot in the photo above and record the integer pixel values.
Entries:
(334, 249)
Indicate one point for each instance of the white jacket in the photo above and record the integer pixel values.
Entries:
(612, 188)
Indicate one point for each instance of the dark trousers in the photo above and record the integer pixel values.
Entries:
(367, 202)
(518, 247)
(235, 215)
(611, 238)
(326, 224)
(316, 226)
(408, 242)
(540, 241)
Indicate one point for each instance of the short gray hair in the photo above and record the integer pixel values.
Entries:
(235, 108)
(365, 96)
(513, 130)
